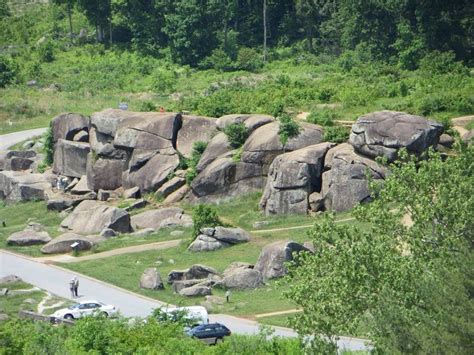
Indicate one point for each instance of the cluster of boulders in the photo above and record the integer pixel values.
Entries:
(117, 153)
(199, 280)
(335, 177)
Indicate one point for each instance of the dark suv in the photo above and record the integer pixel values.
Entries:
(210, 333)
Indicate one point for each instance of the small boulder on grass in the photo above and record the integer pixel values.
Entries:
(151, 279)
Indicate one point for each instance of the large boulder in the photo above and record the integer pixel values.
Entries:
(225, 178)
(62, 244)
(147, 130)
(70, 158)
(103, 145)
(345, 179)
(194, 129)
(272, 259)
(91, 217)
(242, 278)
(150, 170)
(28, 237)
(218, 146)
(383, 133)
(264, 144)
(292, 178)
(151, 279)
(105, 174)
(160, 218)
(67, 125)
(218, 238)
(16, 186)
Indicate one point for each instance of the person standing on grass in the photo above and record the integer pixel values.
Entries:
(71, 287)
(76, 286)
(227, 296)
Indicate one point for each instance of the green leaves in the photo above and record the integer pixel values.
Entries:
(388, 279)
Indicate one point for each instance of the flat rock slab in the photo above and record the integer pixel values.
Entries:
(62, 244)
(383, 133)
(91, 217)
(157, 219)
(218, 238)
(243, 278)
(195, 291)
(28, 237)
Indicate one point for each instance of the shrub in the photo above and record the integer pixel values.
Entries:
(323, 118)
(198, 148)
(277, 108)
(46, 52)
(147, 106)
(237, 134)
(336, 134)
(218, 60)
(49, 146)
(8, 71)
(164, 81)
(204, 216)
(288, 128)
(442, 63)
(249, 59)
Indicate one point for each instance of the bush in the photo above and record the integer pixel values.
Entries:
(8, 71)
(218, 60)
(46, 52)
(164, 81)
(249, 59)
(204, 216)
(49, 146)
(442, 63)
(288, 128)
(324, 118)
(147, 106)
(198, 148)
(237, 134)
(336, 134)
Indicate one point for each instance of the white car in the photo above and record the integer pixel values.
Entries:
(86, 308)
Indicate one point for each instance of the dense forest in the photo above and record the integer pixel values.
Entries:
(193, 30)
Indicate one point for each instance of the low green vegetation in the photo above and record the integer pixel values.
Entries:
(190, 164)
(106, 336)
(22, 296)
(288, 128)
(16, 218)
(125, 271)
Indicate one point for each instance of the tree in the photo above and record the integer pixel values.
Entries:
(99, 13)
(69, 6)
(404, 285)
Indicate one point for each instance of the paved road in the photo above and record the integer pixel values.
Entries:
(7, 140)
(56, 280)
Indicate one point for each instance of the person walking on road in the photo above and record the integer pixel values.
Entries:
(76, 286)
(71, 287)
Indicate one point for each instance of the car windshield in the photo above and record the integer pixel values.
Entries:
(73, 306)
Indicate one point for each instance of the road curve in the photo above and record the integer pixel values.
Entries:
(7, 140)
(56, 280)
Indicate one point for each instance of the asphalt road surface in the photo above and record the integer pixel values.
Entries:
(7, 140)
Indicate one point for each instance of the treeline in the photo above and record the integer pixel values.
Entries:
(190, 31)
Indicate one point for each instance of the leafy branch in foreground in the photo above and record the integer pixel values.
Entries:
(406, 286)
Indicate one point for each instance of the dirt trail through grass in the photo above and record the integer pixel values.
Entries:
(296, 227)
(109, 253)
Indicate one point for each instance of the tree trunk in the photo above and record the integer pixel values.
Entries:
(70, 19)
(264, 31)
